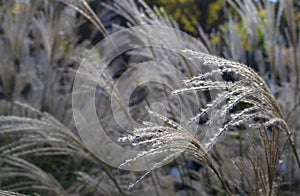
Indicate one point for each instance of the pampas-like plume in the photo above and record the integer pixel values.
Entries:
(172, 138)
(245, 99)
(259, 108)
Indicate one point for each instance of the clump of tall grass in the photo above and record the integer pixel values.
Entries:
(39, 136)
(243, 100)
(270, 46)
(39, 45)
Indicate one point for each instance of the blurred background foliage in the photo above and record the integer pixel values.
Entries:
(192, 13)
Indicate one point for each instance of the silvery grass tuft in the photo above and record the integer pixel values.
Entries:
(248, 88)
(170, 137)
(243, 99)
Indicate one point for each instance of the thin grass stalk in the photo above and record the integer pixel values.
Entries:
(82, 7)
(214, 169)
